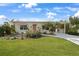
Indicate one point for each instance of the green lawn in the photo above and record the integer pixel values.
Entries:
(38, 47)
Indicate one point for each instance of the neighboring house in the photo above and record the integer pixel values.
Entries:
(23, 26)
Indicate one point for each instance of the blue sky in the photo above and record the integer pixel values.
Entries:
(38, 11)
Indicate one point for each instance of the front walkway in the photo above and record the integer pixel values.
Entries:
(72, 38)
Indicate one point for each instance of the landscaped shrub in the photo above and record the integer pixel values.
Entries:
(49, 26)
(48, 33)
(73, 31)
(31, 34)
(44, 32)
(51, 33)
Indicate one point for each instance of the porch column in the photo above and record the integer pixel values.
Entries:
(65, 26)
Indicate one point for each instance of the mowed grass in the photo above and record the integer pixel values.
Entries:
(45, 46)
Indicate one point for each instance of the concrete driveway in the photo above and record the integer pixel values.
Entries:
(72, 38)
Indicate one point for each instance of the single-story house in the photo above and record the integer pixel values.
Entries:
(23, 26)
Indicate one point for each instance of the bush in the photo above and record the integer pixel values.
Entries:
(44, 32)
(51, 33)
(6, 30)
(31, 34)
(73, 31)
(1, 31)
(49, 26)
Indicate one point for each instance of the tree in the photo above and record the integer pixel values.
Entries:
(73, 29)
(49, 26)
(74, 21)
(71, 19)
(6, 29)
(1, 31)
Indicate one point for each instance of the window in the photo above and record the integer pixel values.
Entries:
(23, 27)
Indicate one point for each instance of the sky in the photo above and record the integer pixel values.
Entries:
(37, 11)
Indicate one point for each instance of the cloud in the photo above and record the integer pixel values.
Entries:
(36, 9)
(72, 8)
(3, 17)
(29, 5)
(3, 4)
(15, 11)
(58, 8)
(20, 6)
(31, 19)
(47, 9)
(68, 15)
(50, 14)
(76, 14)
